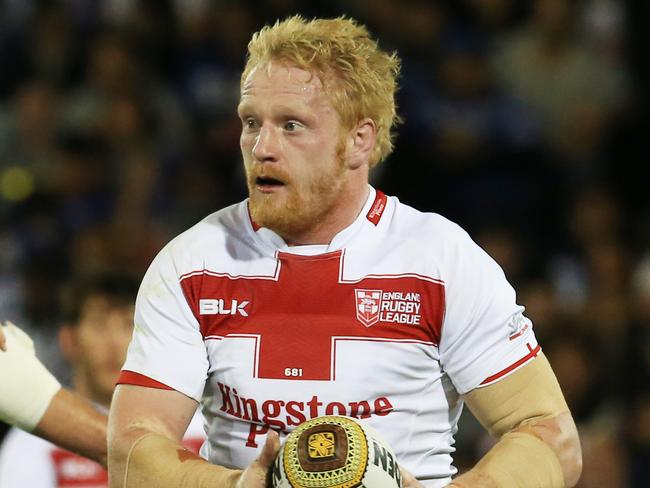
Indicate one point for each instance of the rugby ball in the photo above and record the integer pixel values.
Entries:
(335, 452)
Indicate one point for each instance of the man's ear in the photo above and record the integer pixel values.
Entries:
(68, 343)
(360, 143)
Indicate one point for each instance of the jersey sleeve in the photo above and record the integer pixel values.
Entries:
(485, 335)
(167, 348)
(25, 461)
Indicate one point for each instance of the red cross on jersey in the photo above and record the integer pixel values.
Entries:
(298, 316)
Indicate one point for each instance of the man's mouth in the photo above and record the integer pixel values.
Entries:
(267, 183)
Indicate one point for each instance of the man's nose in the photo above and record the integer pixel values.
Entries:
(267, 145)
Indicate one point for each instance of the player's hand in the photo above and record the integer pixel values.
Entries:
(13, 333)
(256, 475)
(26, 386)
(408, 480)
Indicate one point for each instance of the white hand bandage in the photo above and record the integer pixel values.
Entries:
(26, 386)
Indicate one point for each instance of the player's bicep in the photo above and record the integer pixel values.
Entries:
(527, 395)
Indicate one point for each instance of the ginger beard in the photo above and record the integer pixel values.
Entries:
(302, 203)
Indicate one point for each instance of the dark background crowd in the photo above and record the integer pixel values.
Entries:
(525, 121)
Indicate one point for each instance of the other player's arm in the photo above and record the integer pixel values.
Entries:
(538, 442)
(32, 399)
(146, 426)
(73, 423)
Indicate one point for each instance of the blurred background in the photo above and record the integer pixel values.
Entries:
(526, 121)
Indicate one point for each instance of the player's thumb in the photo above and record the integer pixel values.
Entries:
(258, 473)
(15, 337)
(270, 450)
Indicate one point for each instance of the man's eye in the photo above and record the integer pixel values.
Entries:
(291, 126)
(250, 123)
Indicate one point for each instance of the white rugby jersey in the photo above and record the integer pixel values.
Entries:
(27, 461)
(400, 314)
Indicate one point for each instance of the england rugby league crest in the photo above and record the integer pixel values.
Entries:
(368, 306)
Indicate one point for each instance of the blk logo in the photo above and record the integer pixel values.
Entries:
(218, 306)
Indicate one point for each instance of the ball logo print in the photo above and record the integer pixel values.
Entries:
(335, 452)
(321, 445)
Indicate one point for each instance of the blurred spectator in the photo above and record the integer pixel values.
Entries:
(11, 305)
(51, 54)
(636, 378)
(114, 73)
(566, 83)
(637, 434)
(468, 138)
(496, 16)
(213, 58)
(80, 182)
(471, 115)
(542, 306)
(594, 263)
(28, 130)
(412, 25)
(154, 31)
(637, 373)
(507, 250)
(604, 25)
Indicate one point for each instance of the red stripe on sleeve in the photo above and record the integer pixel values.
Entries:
(531, 354)
(137, 379)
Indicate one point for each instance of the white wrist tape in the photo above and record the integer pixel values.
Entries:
(26, 386)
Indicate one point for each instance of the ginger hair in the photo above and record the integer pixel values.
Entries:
(359, 77)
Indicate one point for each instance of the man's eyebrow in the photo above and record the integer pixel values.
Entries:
(242, 108)
(281, 109)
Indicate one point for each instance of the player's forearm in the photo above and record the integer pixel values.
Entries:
(141, 458)
(538, 441)
(545, 453)
(88, 437)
